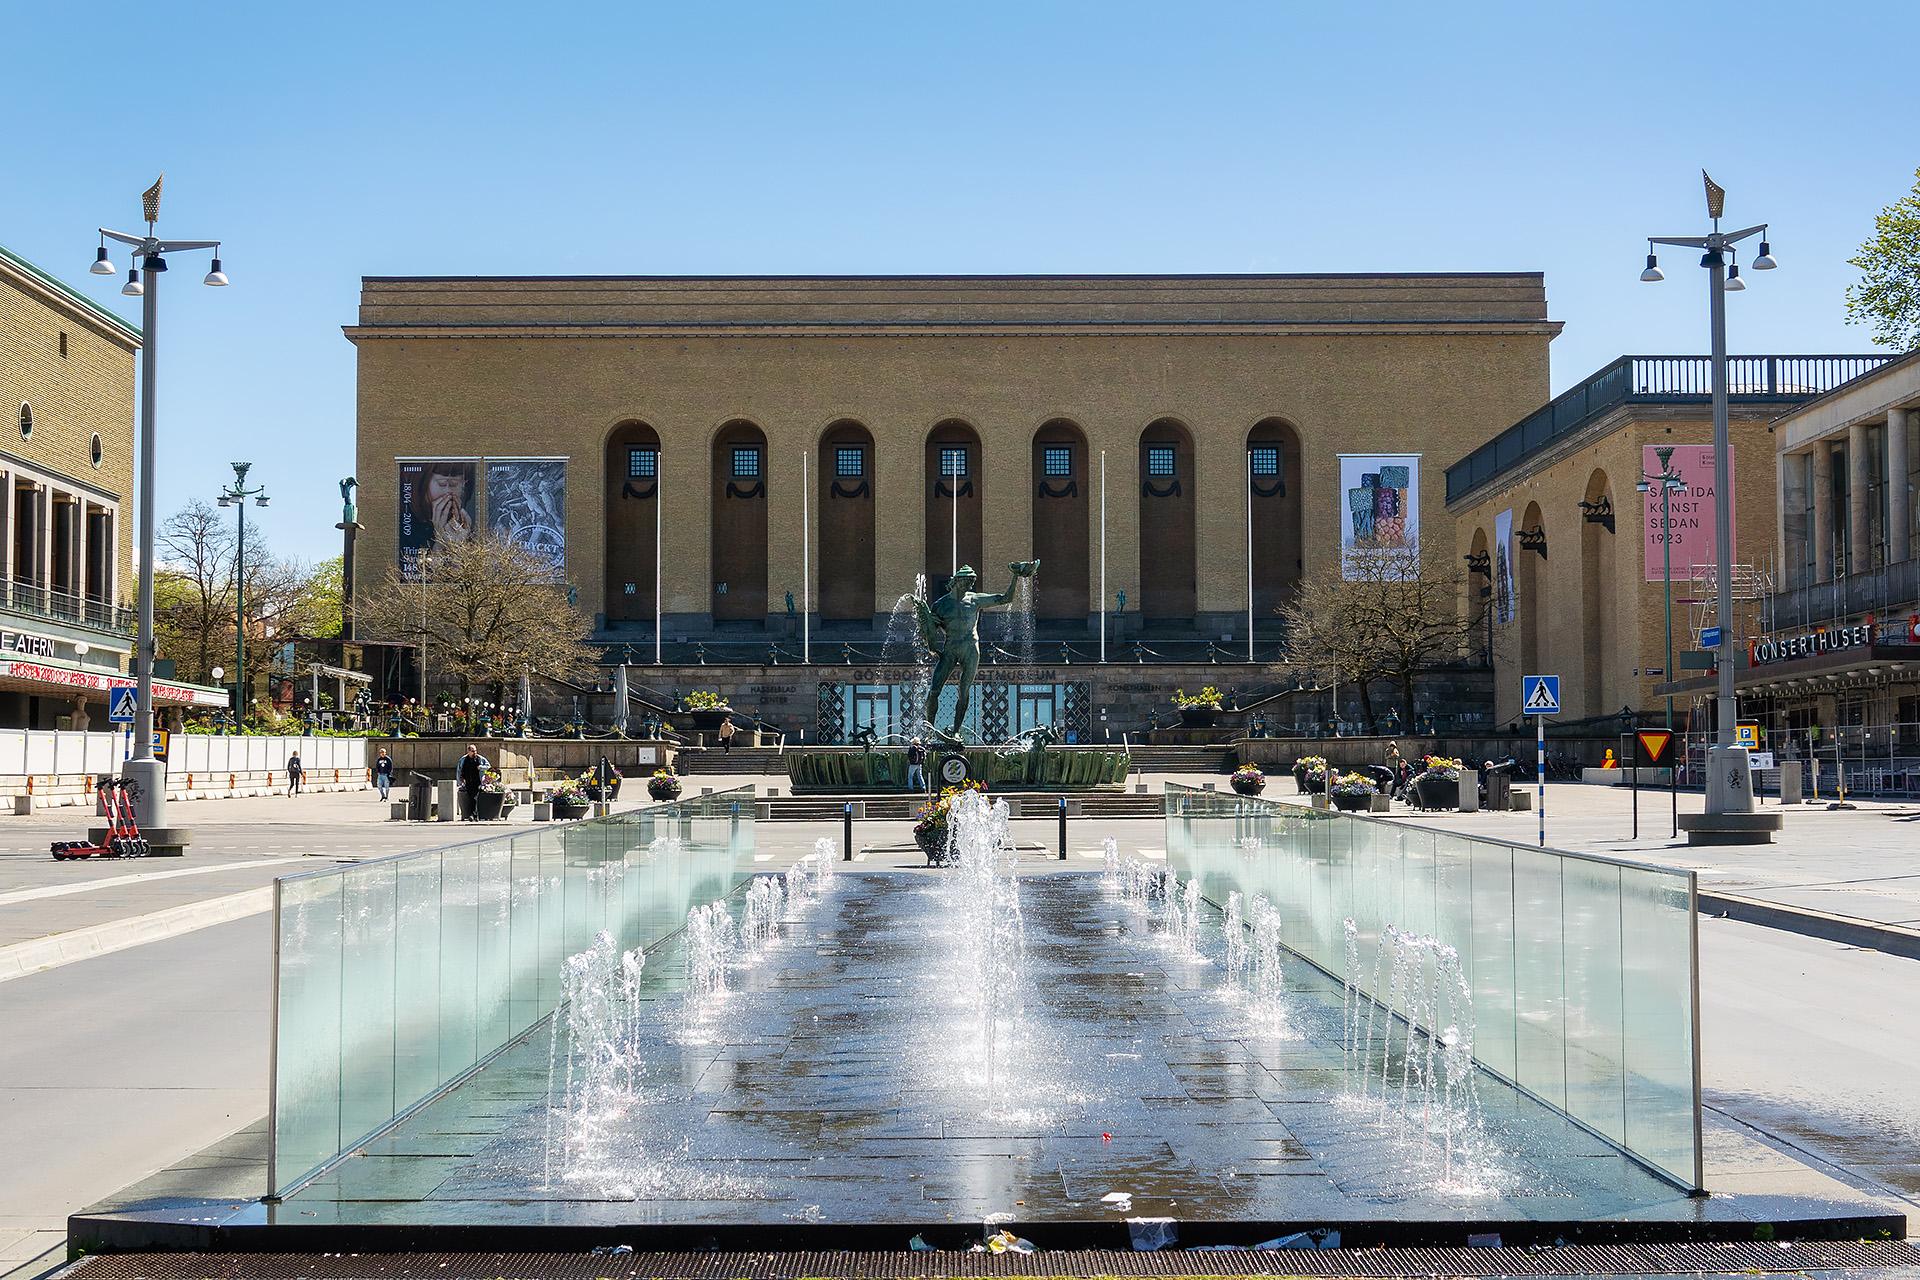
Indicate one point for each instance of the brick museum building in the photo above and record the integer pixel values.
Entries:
(1176, 450)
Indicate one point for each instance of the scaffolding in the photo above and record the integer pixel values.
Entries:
(1752, 587)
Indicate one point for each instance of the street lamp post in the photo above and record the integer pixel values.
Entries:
(1669, 483)
(148, 775)
(236, 495)
(1729, 785)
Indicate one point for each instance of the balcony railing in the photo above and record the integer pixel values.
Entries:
(1783, 380)
(37, 600)
(1888, 589)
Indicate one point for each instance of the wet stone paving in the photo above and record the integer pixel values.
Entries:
(845, 1075)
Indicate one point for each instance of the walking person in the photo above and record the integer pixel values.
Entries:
(916, 770)
(383, 773)
(1399, 767)
(468, 775)
(295, 772)
(726, 735)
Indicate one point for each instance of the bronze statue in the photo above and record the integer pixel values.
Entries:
(950, 626)
(349, 511)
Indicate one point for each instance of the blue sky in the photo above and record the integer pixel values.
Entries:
(327, 142)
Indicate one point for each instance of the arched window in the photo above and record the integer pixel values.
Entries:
(1061, 506)
(846, 495)
(1168, 559)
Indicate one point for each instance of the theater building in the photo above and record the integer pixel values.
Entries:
(1571, 567)
(1194, 443)
(1840, 657)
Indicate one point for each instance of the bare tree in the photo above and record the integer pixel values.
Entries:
(1385, 615)
(490, 611)
(193, 589)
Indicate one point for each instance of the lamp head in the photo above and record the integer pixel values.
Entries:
(102, 264)
(215, 277)
(218, 673)
(1653, 274)
(1644, 487)
(1765, 262)
(1734, 283)
(260, 501)
(132, 288)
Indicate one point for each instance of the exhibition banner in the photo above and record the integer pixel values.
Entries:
(436, 507)
(527, 505)
(1690, 512)
(1503, 600)
(1379, 506)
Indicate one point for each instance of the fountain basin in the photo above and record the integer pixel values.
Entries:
(884, 769)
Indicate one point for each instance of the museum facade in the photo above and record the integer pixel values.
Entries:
(721, 453)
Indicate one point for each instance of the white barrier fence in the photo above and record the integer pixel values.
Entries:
(57, 766)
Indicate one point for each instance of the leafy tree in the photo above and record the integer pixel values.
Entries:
(490, 611)
(1888, 293)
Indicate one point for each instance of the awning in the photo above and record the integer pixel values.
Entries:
(1871, 660)
(56, 679)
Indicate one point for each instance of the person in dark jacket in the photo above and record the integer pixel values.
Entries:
(468, 775)
(294, 774)
(383, 773)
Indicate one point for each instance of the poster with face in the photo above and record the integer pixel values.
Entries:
(527, 504)
(1379, 506)
(436, 507)
(1690, 512)
(1503, 601)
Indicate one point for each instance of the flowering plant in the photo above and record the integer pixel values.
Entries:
(1249, 771)
(705, 700)
(1208, 698)
(1311, 766)
(491, 783)
(1352, 784)
(567, 791)
(935, 813)
(1444, 768)
(665, 775)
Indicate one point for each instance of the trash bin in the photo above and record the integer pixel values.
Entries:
(1499, 790)
(419, 798)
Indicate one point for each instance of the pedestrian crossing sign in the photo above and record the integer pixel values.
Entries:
(1540, 695)
(122, 700)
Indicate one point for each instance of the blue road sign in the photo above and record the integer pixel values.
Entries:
(122, 701)
(1709, 637)
(1540, 695)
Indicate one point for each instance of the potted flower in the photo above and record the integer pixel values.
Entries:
(1198, 710)
(1248, 780)
(1352, 792)
(706, 709)
(664, 785)
(1437, 786)
(568, 798)
(493, 795)
(1310, 775)
(930, 824)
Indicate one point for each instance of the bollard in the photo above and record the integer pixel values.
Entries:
(1063, 828)
(846, 832)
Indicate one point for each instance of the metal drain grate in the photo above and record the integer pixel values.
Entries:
(1576, 1260)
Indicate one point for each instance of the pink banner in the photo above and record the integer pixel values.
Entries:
(1689, 511)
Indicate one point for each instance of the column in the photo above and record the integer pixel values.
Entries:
(1822, 481)
(1899, 500)
(43, 554)
(8, 513)
(1859, 494)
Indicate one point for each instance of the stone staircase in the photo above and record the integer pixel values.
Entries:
(1182, 759)
(749, 760)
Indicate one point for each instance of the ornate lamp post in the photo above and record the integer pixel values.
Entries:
(143, 282)
(235, 495)
(1729, 784)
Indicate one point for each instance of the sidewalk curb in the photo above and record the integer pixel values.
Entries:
(1893, 939)
(40, 954)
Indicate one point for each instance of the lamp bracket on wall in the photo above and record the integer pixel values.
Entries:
(1479, 563)
(1534, 539)
(1598, 512)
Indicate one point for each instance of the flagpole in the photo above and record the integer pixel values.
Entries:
(806, 565)
(659, 498)
(954, 481)
(1103, 555)
(1249, 555)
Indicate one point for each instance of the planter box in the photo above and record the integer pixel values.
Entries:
(487, 804)
(1248, 786)
(1438, 793)
(664, 793)
(1353, 804)
(708, 721)
(1199, 717)
(567, 812)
